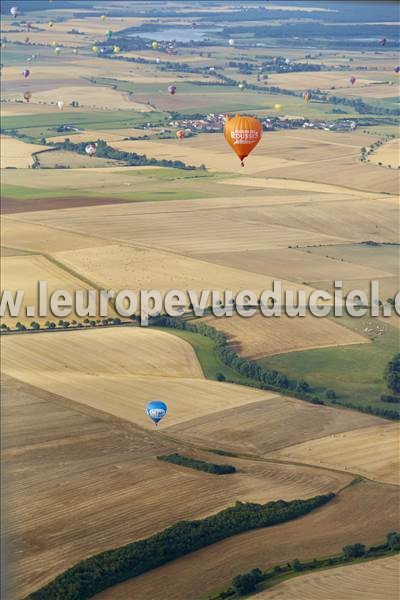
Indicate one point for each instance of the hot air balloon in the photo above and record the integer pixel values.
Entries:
(109, 33)
(57, 50)
(103, 50)
(60, 104)
(231, 42)
(74, 50)
(27, 96)
(158, 61)
(172, 89)
(26, 73)
(14, 11)
(278, 107)
(352, 80)
(180, 134)
(211, 69)
(95, 49)
(103, 17)
(51, 23)
(154, 45)
(307, 96)
(54, 43)
(156, 410)
(242, 134)
(397, 70)
(90, 150)
(117, 49)
(241, 86)
(383, 42)
(287, 61)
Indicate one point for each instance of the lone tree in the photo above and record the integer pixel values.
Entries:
(244, 584)
(392, 374)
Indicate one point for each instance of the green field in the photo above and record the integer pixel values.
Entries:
(355, 372)
(44, 125)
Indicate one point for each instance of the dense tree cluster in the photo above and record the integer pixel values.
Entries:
(199, 465)
(392, 374)
(104, 570)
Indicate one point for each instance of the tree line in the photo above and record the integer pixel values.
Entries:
(247, 583)
(198, 465)
(99, 572)
(261, 377)
(131, 159)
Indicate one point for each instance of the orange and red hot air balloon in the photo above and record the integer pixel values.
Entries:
(180, 134)
(243, 135)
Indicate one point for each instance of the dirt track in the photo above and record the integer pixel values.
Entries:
(12, 205)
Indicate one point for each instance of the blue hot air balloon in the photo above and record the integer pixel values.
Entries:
(156, 410)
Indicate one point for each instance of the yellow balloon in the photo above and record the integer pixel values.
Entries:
(103, 17)
(117, 49)
(154, 45)
(54, 44)
(95, 49)
(278, 107)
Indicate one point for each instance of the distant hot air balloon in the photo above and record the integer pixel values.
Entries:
(109, 33)
(90, 150)
(154, 45)
(352, 80)
(95, 49)
(51, 23)
(172, 89)
(74, 50)
(54, 43)
(383, 42)
(278, 107)
(158, 61)
(156, 410)
(103, 50)
(60, 104)
(14, 11)
(180, 134)
(397, 70)
(287, 61)
(170, 50)
(307, 96)
(57, 50)
(243, 134)
(211, 69)
(241, 86)
(231, 42)
(26, 73)
(27, 96)
(103, 17)
(117, 49)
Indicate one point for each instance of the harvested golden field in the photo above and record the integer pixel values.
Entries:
(376, 580)
(17, 154)
(259, 336)
(345, 520)
(388, 154)
(371, 451)
(231, 224)
(52, 361)
(24, 273)
(300, 265)
(141, 268)
(373, 84)
(38, 238)
(95, 483)
(265, 426)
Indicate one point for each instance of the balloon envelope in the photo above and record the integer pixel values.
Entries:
(242, 134)
(353, 80)
(14, 11)
(90, 149)
(60, 104)
(154, 45)
(172, 89)
(26, 73)
(278, 107)
(231, 42)
(156, 410)
(27, 96)
(180, 134)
